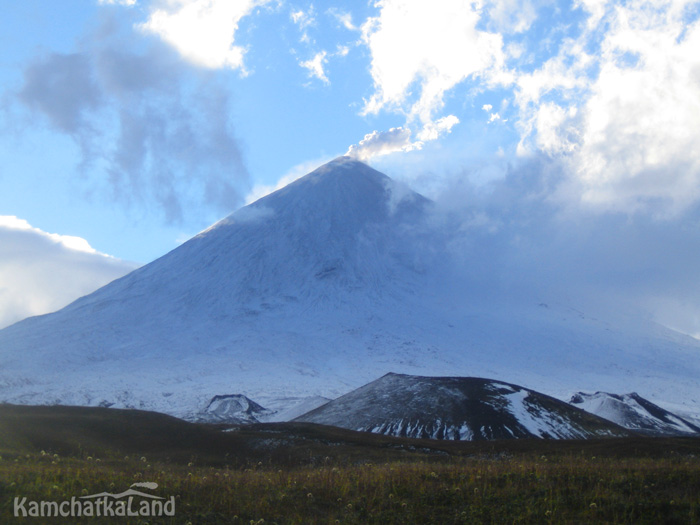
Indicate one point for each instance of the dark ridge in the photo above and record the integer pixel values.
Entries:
(113, 433)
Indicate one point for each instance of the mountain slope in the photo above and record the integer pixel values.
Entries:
(249, 294)
(457, 408)
(634, 412)
(313, 291)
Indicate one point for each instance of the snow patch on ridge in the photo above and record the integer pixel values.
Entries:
(634, 412)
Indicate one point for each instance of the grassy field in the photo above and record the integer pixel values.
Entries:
(310, 474)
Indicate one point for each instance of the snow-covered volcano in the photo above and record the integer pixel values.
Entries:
(315, 290)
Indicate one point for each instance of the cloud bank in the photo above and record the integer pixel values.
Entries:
(598, 198)
(41, 272)
(610, 90)
(517, 238)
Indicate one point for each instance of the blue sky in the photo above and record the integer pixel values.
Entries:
(127, 126)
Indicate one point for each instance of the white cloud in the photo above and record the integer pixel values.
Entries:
(434, 130)
(202, 31)
(41, 272)
(596, 10)
(429, 46)
(379, 143)
(304, 20)
(553, 136)
(315, 66)
(344, 18)
(419, 52)
(301, 18)
(565, 72)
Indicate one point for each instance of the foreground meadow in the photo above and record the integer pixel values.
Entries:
(307, 474)
(547, 489)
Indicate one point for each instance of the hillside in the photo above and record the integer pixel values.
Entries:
(458, 408)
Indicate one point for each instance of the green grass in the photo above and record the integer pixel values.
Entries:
(325, 475)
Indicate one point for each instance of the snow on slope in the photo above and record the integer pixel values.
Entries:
(634, 412)
(457, 408)
(316, 290)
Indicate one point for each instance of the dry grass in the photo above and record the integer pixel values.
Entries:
(320, 475)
